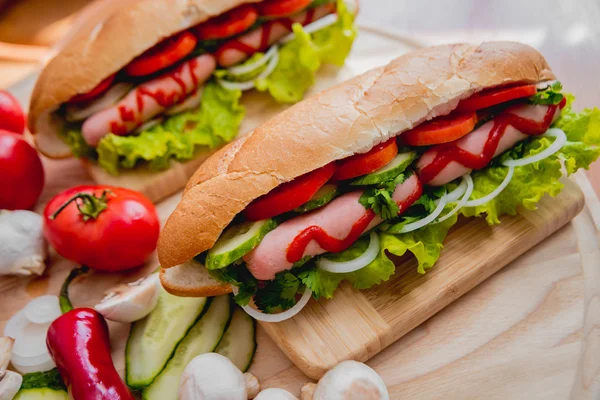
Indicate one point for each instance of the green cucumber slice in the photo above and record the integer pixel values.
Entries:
(153, 339)
(323, 196)
(388, 172)
(239, 341)
(41, 394)
(236, 241)
(202, 338)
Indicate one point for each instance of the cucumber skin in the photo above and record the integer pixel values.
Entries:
(41, 393)
(220, 261)
(209, 302)
(375, 178)
(235, 308)
(318, 203)
(142, 385)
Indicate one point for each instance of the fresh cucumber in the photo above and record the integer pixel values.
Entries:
(202, 338)
(153, 339)
(41, 394)
(236, 241)
(388, 172)
(323, 196)
(42, 385)
(239, 341)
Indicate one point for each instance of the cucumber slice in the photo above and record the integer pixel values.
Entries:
(239, 341)
(41, 394)
(153, 339)
(236, 241)
(323, 196)
(202, 338)
(388, 172)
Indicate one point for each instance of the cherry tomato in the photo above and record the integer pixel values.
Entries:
(281, 8)
(12, 117)
(226, 25)
(290, 195)
(440, 130)
(362, 164)
(102, 227)
(22, 174)
(95, 92)
(162, 55)
(491, 97)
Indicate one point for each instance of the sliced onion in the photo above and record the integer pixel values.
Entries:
(340, 267)
(250, 84)
(468, 181)
(545, 84)
(313, 27)
(496, 192)
(428, 219)
(287, 314)
(190, 102)
(457, 193)
(559, 141)
(32, 341)
(15, 325)
(148, 124)
(43, 309)
(244, 69)
(39, 363)
(115, 93)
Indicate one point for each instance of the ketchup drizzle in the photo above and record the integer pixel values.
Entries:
(297, 247)
(449, 152)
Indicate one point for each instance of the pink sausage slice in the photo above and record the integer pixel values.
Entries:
(149, 100)
(336, 218)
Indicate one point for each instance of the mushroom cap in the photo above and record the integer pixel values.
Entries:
(275, 394)
(351, 380)
(212, 376)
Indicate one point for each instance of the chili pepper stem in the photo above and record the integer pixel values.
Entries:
(64, 301)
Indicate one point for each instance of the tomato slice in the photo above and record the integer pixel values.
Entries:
(281, 8)
(226, 25)
(491, 97)
(95, 92)
(290, 195)
(440, 130)
(362, 164)
(162, 55)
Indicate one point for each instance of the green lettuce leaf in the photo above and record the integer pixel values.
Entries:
(214, 122)
(300, 58)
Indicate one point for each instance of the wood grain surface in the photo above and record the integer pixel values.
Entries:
(531, 331)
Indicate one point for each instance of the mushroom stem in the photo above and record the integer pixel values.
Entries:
(6, 345)
(307, 391)
(252, 385)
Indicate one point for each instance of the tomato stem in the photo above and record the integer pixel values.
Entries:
(89, 205)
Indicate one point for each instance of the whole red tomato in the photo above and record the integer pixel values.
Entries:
(12, 117)
(21, 173)
(106, 228)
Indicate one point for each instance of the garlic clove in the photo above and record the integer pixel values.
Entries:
(275, 394)
(212, 376)
(23, 248)
(10, 383)
(131, 302)
(350, 380)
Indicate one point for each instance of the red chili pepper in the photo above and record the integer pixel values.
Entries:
(79, 345)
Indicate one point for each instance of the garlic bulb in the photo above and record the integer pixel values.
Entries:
(132, 301)
(23, 248)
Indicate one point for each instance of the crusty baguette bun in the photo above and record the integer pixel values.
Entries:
(106, 48)
(191, 279)
(347, 119)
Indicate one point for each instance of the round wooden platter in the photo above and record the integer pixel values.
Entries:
(530, 331)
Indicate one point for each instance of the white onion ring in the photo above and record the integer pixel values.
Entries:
(559, 141)
(457, 193)
(43, 309)
(190, 102)
(496, 192)
(428, 219)
(243, 69)
(148, 124)
(469, 190)
(39, 363)
(287, 314)
(313, 27)
(341, 267)
(115, 93)
(229, 85)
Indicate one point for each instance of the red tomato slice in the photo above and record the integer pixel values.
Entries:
(162, 55)
(290, 195)
(491, 97)
(440, 130)
(95, 92)
(281, 8)
(362, 164)
(226, 25)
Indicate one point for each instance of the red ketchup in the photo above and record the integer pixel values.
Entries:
(297, 247)
(447, 153)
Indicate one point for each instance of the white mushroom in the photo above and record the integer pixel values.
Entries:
(131, 302)
(349, 380)
(6, 345)
(275, 394)
(10, 381)
(23, 248)
(211, 376)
